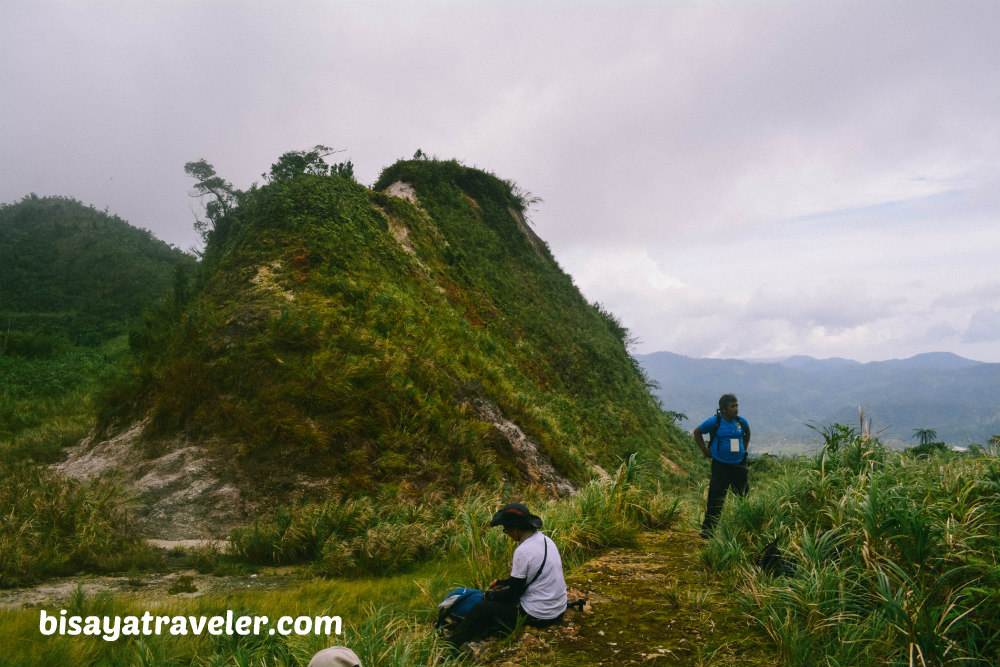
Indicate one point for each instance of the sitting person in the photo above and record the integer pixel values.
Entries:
(535, 590)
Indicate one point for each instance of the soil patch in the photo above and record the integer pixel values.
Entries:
(150, 587)
(656, 604)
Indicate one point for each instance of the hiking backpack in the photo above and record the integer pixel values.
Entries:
(457, 604)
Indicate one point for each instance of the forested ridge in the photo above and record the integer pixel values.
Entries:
(71, 272)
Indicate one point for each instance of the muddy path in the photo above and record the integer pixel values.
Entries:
(656, 605)
(174, 582)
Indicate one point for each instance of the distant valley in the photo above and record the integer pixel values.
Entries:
(954, 396)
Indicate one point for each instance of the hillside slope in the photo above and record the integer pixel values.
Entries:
(342, 340)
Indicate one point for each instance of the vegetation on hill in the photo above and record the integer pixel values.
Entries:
(71, 279)
(73, 275)
(356, 335)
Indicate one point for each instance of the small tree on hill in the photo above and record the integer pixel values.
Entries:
(207, 182)
(295, 163)
(924, 435)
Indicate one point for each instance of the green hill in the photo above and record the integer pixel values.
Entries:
(353, 335)
(71, 280)
(70, 274)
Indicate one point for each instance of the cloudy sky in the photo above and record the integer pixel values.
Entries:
(732, 179)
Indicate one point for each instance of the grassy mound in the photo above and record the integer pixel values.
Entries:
(355, 335)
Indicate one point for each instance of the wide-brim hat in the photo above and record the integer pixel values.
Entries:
(516, 515)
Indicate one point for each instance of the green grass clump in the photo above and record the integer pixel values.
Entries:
(57, 526)
(895, 556)
(48, 403)
(395, 631)
(366, 536)
(52, 525)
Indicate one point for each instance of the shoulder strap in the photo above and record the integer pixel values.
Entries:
(714, 430)
(545, 557)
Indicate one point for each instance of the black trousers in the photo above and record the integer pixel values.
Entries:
(725, 476)
(489, 618)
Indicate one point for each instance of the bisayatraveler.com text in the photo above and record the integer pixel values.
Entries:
(112, 627)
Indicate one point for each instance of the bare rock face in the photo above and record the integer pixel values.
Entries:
(403, 191)
(180, 495)
(530, 461)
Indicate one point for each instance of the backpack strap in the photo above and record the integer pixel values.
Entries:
(545, 557)
(714, 430)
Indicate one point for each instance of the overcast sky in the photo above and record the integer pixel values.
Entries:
(732, 179)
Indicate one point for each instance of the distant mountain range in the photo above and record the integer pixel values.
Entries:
(954, 396)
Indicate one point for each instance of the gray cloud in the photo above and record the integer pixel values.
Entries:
(779, 159)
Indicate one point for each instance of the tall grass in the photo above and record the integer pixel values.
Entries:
(359, 536)
(388, 618)
(50, 525)
(56, 526)
(895, 555)
(387, 621)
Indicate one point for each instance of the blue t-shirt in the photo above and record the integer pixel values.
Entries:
(728, 445)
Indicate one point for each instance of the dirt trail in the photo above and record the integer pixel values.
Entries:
(175, 582)
(656, 605)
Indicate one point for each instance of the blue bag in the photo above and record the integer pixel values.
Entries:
(457, 604)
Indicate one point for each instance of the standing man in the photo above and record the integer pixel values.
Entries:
(729, 437)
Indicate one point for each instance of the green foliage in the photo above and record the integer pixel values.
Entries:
(365, 536)
(56, 526)
(927, 449)
(312, 329)
(226, 196)
(296, 163)
(834, 436)
(895, 555)
(45, 402)
(183, 584)
(72, 275)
